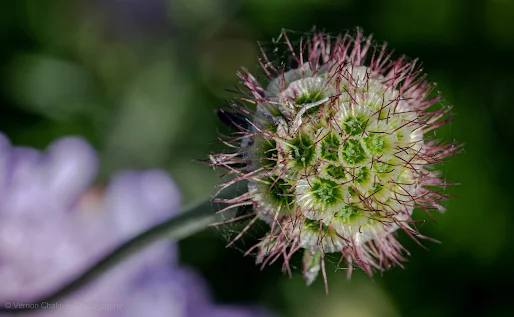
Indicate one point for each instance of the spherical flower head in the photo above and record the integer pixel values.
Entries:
(336, 151)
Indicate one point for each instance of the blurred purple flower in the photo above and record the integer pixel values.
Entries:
(53, 226)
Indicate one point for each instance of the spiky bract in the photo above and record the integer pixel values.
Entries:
(336, 152)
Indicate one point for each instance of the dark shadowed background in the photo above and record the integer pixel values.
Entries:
(141, 79)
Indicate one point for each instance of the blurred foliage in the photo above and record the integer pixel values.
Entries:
(140, 79)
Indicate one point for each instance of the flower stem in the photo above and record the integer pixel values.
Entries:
(190, 221)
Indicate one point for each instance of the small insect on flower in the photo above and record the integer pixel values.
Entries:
(336, 152)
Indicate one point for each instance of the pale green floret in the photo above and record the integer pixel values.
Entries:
(335, 171)
(402, 127)
(348, 213)
(280, 191)
(274, 87)
(386, 171)
(375, 143)
(315, 226)
(330, 146)
(380, 140)
(318, 198)
(381, 144)
(352, 152)
(355, 125)
(362, 176)
(326, 192)
(381, 192)
(362, 180)
(302, 151)
(275, 195)
(302, 92)
(309, 97)
(311, 236)
(263, 153)
(404, 137)
(405, 184)
(384, 167)
(371, 100)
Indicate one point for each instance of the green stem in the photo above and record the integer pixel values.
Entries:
(190, 221)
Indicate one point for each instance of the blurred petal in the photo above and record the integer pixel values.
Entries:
(22, 184)
(138, 200)
(70, 166)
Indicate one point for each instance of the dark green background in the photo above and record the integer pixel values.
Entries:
(141, 81)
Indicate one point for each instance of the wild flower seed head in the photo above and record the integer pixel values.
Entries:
(336, 152)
